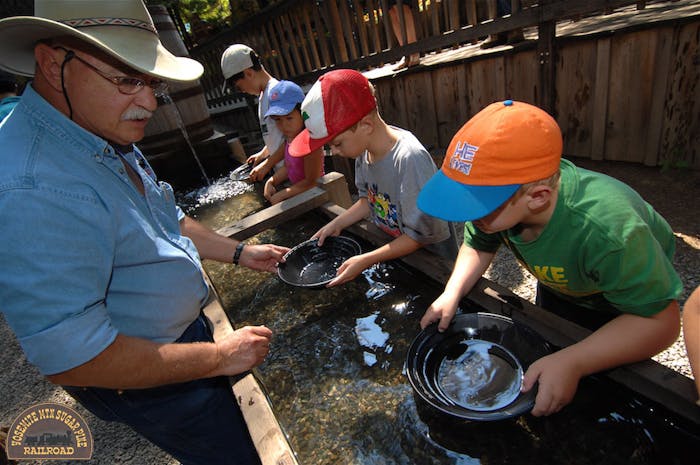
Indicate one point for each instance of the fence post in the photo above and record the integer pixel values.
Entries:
(546, 38)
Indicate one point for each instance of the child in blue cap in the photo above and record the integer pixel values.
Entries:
(302, 172)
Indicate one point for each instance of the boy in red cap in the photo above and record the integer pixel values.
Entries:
(601, 254)
(391, 166)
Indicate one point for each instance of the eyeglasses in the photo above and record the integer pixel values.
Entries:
(125, 84)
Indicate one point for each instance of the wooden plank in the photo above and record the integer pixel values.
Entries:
(472, 19)
(361, 27)
(267, 434)
(292, 44)
(310, 35)
(575, 83)
(486, 82)
(276, 214)
(680, 144)
(520, 76)
(374, 21)
(600, 98)
(447, 103)
(631, 72)
(300, 38)
(421, 118)
(348, 29)
(271, 33)
(661, 68)
(336, 30)
(546, 32)
(273, 64)
(392, 101)
(321, 29)
(388, 33)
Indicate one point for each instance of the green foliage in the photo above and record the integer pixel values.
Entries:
(209, 15)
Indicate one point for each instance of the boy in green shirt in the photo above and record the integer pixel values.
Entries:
(598, 250)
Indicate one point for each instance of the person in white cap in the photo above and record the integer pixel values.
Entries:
(102, 279)
(243, 71)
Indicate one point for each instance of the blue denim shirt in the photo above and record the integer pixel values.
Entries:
(83, 255)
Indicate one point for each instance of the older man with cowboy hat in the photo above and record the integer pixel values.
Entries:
(101, 278)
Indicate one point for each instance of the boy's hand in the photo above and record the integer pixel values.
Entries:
(443, 309)
(349, 270)
(264, 257)
(329, 229)
(558, 380)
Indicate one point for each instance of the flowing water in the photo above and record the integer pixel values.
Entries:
(336, 380)
(175, 112)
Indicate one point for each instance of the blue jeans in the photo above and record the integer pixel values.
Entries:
(197, 422)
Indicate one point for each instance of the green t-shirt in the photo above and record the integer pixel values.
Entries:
(603, 244)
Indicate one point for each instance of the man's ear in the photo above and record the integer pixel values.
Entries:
(48, 63)
(539, 197)
(366, 124)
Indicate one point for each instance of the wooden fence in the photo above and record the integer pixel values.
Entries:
(626, 91)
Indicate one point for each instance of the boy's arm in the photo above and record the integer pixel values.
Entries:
(352, 215)
(256, 158)
(691, 334)
(470, 265)
(353, 266)
(625, 339)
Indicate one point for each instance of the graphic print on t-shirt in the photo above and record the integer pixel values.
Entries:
(383, 211)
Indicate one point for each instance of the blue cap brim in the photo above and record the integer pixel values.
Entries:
(280, 110)
(450, 200)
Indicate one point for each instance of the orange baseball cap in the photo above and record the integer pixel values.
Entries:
(505, 145)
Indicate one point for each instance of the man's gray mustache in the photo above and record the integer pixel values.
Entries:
(136, 113)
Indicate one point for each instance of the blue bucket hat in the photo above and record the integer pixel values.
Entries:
(284, 97)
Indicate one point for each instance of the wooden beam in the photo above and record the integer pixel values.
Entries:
(267, 434)
(275, 215)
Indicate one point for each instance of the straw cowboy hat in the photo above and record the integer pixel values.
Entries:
(121, 28)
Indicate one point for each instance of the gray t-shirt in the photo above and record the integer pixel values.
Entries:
(391, 185)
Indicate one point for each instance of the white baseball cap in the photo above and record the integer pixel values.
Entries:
(235, 59)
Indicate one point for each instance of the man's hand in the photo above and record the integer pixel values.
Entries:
(263, 257)
(443, 309)
(558, 380)
(242, 350)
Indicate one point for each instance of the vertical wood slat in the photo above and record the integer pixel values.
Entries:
(600, 98)
(273, 62)
(420, 114)
(361, 27)
(680, 142)
(270, 29)
(322, 37)
(311, 39)
(388, 33)
(374, 20)
(472, 19)
(336, 30)
(662, 62)
(348, 29)
(291, 42)
(295, 17)
(453, 7)
(545, 50)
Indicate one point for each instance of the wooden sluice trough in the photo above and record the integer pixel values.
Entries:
(648, 378)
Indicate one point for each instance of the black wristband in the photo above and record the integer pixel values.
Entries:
(237, 253)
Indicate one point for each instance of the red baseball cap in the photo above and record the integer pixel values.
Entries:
(336, 101)
(505, 145)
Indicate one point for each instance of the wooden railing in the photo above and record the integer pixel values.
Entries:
(301, 39)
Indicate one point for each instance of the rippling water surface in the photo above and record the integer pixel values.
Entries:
(335, 374)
